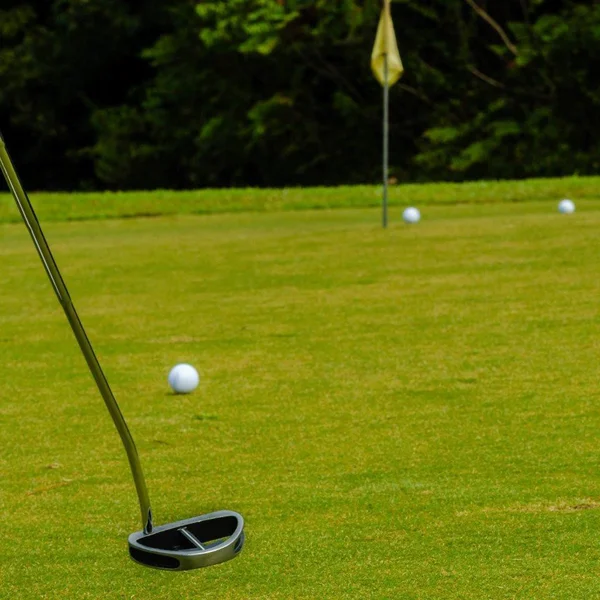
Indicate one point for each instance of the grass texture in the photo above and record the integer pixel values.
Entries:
(110, 205)
(401, 414)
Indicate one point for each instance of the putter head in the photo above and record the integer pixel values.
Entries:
(190, 544)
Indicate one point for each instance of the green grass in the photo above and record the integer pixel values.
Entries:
(408, 414)
(102, 205)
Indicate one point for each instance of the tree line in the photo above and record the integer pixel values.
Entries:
(107, 94)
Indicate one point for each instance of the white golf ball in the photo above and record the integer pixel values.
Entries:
(566, 206)
(183, 379)
(411, 215)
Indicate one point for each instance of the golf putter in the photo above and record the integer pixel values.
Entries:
(199, 542)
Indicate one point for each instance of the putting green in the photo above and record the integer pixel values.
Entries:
(401, 414)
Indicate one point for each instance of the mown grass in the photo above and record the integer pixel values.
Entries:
(408, 414)
(102, 205)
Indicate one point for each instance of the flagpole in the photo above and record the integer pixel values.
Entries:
(386, 65)
(386, 136)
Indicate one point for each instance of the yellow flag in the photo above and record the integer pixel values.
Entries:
(385, 44)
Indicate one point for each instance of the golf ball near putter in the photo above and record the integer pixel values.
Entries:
(183, 378)
(411, 215)
(566, 206)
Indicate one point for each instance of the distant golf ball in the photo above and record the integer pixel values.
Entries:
(183, 379)
(566, 207)
(411, 215)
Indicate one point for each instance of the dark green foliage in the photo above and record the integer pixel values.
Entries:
(60, 62)
(535, 111)
(185, 94)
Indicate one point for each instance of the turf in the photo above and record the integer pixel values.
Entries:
(401, 414)
(110, 205)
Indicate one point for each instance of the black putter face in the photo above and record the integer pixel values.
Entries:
(199, 542)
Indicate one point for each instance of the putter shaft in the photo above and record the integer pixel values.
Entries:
(35, 230)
